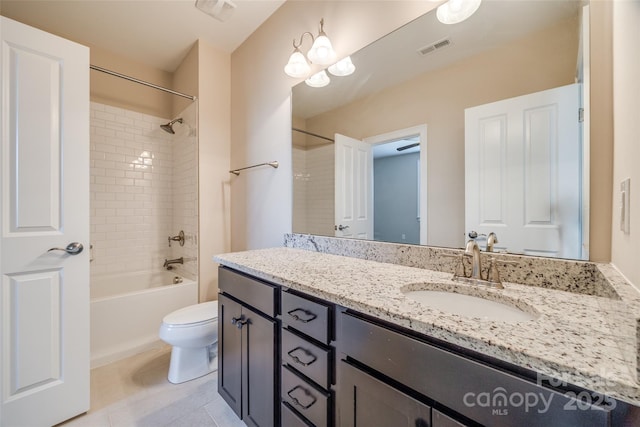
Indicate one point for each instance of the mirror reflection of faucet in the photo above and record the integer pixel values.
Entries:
(491, 239)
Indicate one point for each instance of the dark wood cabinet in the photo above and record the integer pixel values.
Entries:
(248, 355)
(307, 359)
(373, 403)
(293, 360)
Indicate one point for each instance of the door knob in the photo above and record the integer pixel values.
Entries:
(342, 227)
(73, 248)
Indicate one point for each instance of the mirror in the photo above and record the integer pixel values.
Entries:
(414, 86)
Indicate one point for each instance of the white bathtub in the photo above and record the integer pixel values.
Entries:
(127, 310)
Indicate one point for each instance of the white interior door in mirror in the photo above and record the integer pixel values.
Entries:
(353, 188)
(523, 172)
(44, 198)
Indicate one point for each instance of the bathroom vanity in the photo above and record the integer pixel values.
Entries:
(345, 345)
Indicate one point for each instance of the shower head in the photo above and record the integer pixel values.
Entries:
(169, 126)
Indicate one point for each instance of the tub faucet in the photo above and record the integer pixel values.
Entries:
(473, 251)
(168, 262)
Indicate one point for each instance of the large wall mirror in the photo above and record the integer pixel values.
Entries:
(445, 130)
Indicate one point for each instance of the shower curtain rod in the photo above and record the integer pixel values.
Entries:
(142, 82)
(312, 134)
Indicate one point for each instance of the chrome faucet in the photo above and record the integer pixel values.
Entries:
(492, 239)
(168, 262)
(473, 251)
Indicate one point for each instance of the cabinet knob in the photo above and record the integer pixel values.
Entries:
(239, 321)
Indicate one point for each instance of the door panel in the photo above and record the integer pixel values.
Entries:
(370, 402)
(523, 172)
(230, 353)
(353, 188)
(259, 338)
(45, 204)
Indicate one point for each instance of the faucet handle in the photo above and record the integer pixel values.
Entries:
(460, 270)
(493, 275)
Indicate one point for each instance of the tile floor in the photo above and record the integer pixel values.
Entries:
(134, 392)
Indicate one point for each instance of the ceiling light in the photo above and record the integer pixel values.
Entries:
(318, 79)
(321, 53)
(455, 11)
(342, 68)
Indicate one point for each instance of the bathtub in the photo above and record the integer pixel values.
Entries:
(127, 310)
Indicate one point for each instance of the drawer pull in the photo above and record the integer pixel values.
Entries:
(306, 352)
(309, 315)
(306, 393)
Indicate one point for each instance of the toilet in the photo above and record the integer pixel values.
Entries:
(193, 333)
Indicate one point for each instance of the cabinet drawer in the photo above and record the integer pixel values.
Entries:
(306, 398)
(306, 316)
(307, 358)
(257, 294)
(291, 419)
(459, 382)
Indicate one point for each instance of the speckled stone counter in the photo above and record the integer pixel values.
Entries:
(586, 340)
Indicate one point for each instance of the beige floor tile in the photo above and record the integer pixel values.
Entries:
(135, 392)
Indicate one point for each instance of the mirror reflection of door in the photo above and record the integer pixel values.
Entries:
(353, 188)
(523, 176)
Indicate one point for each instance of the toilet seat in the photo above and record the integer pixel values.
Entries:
(193, 315)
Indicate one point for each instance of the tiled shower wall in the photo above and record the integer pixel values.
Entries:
(313, 189)
(132, 190)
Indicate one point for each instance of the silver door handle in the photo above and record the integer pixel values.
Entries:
(342, 227)
(73, 248)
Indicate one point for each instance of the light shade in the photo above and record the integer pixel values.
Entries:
(455, 11)
(318, 79)
(322, 52)
(342, 68)
(297, 66)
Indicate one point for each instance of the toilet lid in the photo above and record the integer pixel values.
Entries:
(193, 314)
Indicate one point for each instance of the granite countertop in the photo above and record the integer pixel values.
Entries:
(585, 340)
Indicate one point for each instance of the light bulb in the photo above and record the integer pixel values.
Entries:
(455, 11)
(342, 68)
(322, 52)
(297, 66)
(319, 79)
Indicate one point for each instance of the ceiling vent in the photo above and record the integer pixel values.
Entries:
(434, 46)
(219, 9)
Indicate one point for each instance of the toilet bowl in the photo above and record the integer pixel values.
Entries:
(193, 333)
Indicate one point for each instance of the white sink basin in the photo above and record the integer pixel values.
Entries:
(470, 306)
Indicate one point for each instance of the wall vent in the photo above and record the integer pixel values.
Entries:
(434, 46)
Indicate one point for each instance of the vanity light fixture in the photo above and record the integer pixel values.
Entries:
(321, 53)
(320, 79)
(342, 68)
(456, 11)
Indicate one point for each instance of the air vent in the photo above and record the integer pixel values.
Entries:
(434, 46)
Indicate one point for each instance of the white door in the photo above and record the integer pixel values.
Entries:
(44, 198)
(353, 188)
(523, 172)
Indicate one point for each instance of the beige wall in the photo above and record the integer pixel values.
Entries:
(439, 98)
(261, 199)
(121, 93)
(626, 90)
(601, 105)
(206, 72)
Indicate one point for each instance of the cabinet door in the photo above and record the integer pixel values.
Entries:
(230, 353)
(259, 378)
(367, 401)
